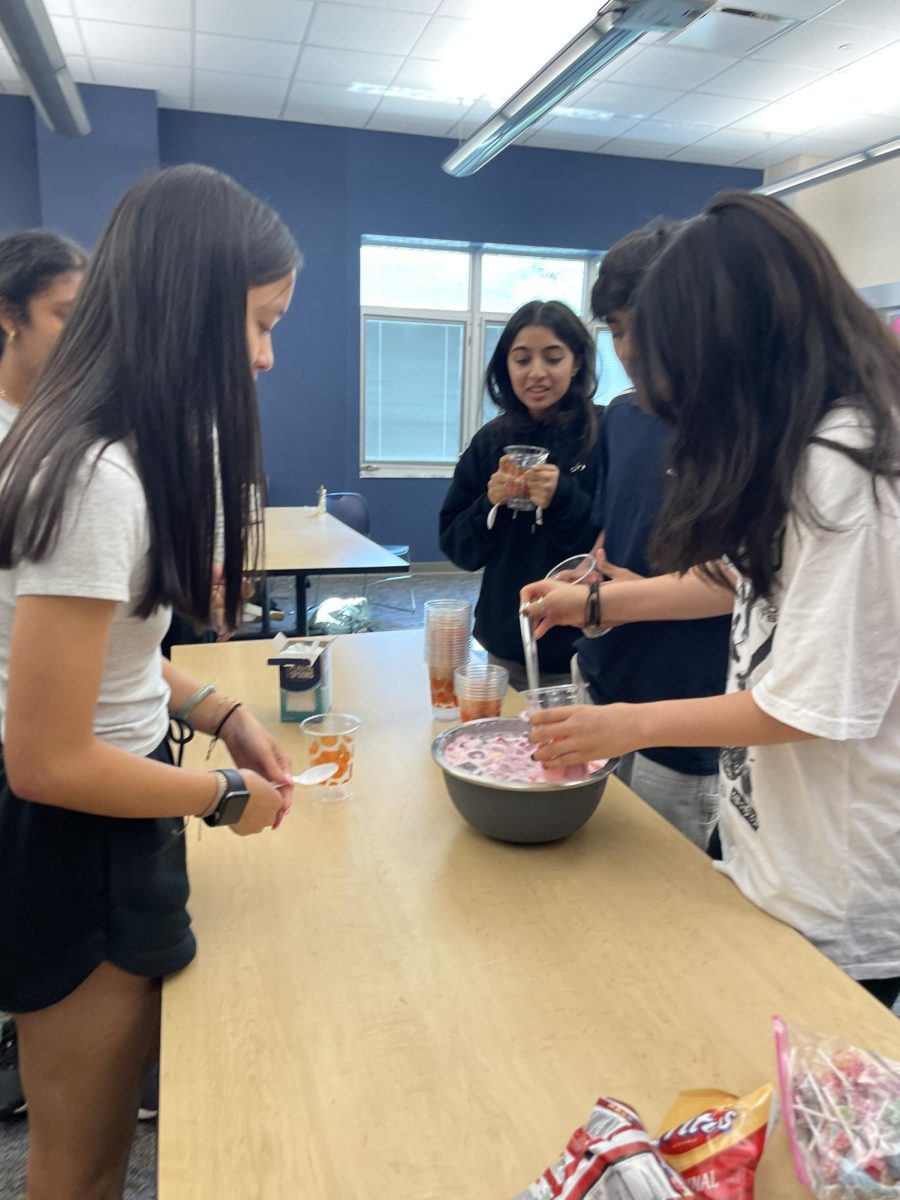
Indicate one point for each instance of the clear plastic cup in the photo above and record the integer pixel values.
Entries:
(523, 457)
(448, 643)
(330, 739)
(561, 696)
(580, 568)
(480, 689)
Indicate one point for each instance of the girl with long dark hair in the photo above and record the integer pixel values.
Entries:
(542, 377)
(109, 491)
(783, 391)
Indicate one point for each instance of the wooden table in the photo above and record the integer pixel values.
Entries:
(303, 541)
(386, 1004)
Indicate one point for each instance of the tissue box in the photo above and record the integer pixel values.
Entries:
(304, 670)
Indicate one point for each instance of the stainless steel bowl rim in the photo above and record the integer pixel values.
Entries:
(509, 725)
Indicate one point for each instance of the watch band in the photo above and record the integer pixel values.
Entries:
(230, 807)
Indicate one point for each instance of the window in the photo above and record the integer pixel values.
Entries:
(431, 314)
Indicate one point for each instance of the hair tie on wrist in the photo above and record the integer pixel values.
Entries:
(221, 726)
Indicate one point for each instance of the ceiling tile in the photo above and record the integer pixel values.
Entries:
(137, 43)
(60, 8)
(668, 132)
(440, 37)
(627, 100)
(824, 44)
(704, 154)
(342, 118)
(862, 131)
(172, 84)
(876, 14)
(395, 123)
(559, 141)
(236, 106)
(349, 27)
(424, 73)
(256, 92)
(319, 64)
(457, 8)
(738, 143)
(274, 20)
(432, 111)
(8, 70)
(697, 108)
(873, 82)
(761, 80)
(80, 69)
(247, 56)
(327, 97)
(595, 130)
(667, 66)
(626, 148)
(66, 30)
(426, 7)
(170, 14)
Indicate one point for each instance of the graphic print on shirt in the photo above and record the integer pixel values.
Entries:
(752, 634)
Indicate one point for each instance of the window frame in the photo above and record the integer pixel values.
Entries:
(474, 321)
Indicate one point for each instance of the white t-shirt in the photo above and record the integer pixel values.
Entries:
(101, 552)
(8, 413)
(811, 830)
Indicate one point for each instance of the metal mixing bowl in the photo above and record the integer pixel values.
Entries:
(517, 812)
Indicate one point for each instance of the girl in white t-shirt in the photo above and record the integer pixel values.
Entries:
(783, 391)
(109, 489)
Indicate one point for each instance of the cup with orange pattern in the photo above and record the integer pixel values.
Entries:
(330, 739)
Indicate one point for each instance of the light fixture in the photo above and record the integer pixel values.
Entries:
(618, 25)
(831, 169)
(29, 37)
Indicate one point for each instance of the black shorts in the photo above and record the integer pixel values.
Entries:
(77, 890)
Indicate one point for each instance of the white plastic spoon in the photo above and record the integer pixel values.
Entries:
(312, 775)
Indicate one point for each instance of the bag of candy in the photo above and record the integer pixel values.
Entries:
(714, 1140)
(842, 1114)
(610, 1157)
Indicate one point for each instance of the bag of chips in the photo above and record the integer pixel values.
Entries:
(715, 1140)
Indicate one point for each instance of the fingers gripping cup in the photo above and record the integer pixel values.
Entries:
(480, 690)
(562, 696)
(523, 457)
(580, 568)
(448, 639)
(329, 739)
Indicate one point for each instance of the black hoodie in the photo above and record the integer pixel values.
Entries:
(518, 550)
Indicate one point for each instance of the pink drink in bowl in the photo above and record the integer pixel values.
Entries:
(522, 457)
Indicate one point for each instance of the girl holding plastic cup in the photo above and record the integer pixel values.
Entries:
(542, 378)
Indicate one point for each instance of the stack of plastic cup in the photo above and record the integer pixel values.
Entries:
(480, 689)
(448, 640)
(523, 457)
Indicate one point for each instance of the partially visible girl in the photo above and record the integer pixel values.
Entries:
(542, 377)
(109, 491)
(783, 391)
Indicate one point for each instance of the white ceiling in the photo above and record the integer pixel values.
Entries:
(825, 86)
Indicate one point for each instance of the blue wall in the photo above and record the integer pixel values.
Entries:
(332, 186)
(20, 205)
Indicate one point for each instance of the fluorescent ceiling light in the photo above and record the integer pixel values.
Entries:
(832, 169)
(29, 37)
(618, 25)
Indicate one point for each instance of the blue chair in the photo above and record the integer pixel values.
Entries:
(353, 510)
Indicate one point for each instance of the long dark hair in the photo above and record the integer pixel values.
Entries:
(747, 335)
(29, 263)
(624, 265)
(156, 352)
(575, 410)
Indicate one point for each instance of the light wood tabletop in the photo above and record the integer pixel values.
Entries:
(304, 541)
(386, 1004)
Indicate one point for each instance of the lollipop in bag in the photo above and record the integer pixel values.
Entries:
(842, 1114)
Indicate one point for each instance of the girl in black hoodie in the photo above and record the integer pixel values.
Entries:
(542, 376)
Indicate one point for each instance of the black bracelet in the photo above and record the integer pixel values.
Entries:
(592, 607)
(221, 726)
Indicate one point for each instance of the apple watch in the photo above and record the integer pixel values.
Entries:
(232, 802)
